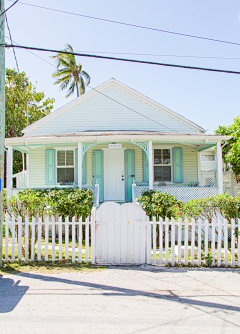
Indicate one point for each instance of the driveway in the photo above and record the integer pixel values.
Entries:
(125, 300)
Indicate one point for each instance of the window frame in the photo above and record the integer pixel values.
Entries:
(163, 147)
(65, 149)
(207, 155)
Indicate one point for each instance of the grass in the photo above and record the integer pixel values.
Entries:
(47, 267)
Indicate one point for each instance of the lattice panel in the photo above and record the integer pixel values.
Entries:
(184, 194)
(209, 177)
(230, 185)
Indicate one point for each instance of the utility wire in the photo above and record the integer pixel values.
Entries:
(131, 25)
(105, 94)
(12, 42)
(121, 59)
(9, 8)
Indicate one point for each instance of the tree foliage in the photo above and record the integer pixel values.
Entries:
(69, 74)
(19, 90)
(231, 151)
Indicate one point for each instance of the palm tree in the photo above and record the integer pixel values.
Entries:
(70, 74)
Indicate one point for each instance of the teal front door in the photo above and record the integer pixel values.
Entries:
(129, 173)
(98, 172)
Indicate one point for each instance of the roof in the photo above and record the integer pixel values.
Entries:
(95, 91)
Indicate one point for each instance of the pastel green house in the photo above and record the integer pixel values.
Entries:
(120, 140)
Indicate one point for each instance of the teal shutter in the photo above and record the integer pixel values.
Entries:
(129, 158)
(98, 172)
(83, 168)
(177, 164)
(50, 167)
(145, 167)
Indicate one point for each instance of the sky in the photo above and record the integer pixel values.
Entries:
(206, 98)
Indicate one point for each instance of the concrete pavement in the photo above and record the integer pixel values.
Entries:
(125, 300)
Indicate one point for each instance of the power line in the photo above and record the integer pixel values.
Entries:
(106, 95)
(156, 55)
(131, 25)
(122, 59)
(9, 8)
(11, 42)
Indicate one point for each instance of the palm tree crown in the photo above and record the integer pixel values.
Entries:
(70, 75)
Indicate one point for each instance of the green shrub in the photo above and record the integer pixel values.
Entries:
(159, 204)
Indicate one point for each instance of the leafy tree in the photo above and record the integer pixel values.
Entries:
(20, 91)
(231, 151)
(69, 74)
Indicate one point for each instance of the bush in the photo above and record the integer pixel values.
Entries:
(159, 204)
(39, 202)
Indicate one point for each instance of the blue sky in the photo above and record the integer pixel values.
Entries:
(209, 99)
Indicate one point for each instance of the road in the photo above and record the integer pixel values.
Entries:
(125, 300)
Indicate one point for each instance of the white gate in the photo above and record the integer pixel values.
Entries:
(120, 234)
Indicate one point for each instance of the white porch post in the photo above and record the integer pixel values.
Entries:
(219, 169)
(9, 170)
(150, 152)
(28, 170)
(80, 165)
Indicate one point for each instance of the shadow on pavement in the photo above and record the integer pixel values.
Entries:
(10, 294)
(109, 290)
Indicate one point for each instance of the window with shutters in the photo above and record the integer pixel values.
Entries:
(65, 166)
(162, 164)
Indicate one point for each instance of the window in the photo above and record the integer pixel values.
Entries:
(208, 157)
(65, 166)
(162, 165)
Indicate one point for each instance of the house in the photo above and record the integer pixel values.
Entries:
(116, 137)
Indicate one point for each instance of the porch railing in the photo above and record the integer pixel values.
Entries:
(183, 194)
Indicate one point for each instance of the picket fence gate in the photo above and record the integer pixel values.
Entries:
(166, 241)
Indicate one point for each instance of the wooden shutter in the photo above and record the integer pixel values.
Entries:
(83, 168)
(145, 167)
(50, 167)
(129, 158)
(98, 172)
(177, 164)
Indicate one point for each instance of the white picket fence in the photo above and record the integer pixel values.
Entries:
(19, 237)
(187, 248)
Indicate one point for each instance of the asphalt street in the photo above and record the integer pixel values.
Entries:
(125, 300)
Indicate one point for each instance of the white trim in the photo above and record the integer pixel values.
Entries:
(199, 168)
(164, 147)
(72, 166)
(101, 87)
(9, 170)
(150, 168)
(80, 165)
(219, 169)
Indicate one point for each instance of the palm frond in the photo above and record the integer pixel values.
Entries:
(87, 77)
(82, 86)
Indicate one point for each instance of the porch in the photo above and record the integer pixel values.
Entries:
(172, 164)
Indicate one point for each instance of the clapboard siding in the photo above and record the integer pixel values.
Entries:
(37, 170)
(99, 113)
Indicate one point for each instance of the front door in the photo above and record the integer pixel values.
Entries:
(114, 175)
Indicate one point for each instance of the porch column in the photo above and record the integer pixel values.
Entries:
(28, 170)
(219, 169)
(150, 157)
(80, 165)
(9, 170)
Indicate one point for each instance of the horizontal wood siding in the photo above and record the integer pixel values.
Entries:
(37, 174)
(100, 113)
(190, 163)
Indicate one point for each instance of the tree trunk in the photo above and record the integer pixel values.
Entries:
(77, 88)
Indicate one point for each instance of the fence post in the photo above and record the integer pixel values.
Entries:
(186, 242)
(60, 237)
(149, 241)
(93, 219)
(206, 238)
(161, 240)
(53, 239)
(154, 240)
(87, 239)
(46, 237)
(179, 240)
(166, 241)
(33, 239)
(173, 242)
(6, 237)
(192, 241)
(66, 238)
(199, 240)
(39, 238)
(26, 237)
(219, 242)
(233, 243)
(19, 238)
(213, 240)
(225, 242)
(13, 238)
(80, 240)
(73, 238)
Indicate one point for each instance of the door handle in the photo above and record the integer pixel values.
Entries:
(122, 179)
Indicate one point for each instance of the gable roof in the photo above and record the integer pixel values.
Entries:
(98, 89)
